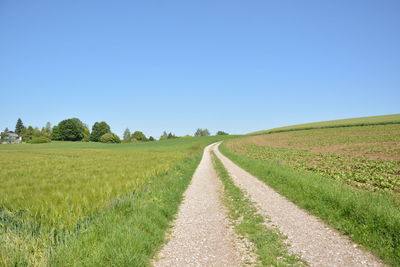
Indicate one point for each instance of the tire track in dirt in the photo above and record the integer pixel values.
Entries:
(202, 235)
(308, 236)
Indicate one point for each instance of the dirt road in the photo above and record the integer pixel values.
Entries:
(201, 235)
(317, 243)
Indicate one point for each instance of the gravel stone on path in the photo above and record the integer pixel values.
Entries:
(202, 235)
(309, 237)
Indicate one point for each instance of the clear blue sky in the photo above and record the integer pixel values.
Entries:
(237, 66)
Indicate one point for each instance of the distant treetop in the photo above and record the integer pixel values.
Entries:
(138, 136)
(98, 130)
(127, 134)
(70, 130)
(19, 127)
(202, 132)
(166, 135)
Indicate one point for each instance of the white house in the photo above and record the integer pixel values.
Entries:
(10, 137)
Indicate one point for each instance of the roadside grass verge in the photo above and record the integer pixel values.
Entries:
(132, 230)
(369, 218)
(269, 243)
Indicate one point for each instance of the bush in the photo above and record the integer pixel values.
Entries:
(39, 140)
(110, 138)
(222, 133)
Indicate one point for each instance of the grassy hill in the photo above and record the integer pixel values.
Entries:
(347, 176)
(361, 121)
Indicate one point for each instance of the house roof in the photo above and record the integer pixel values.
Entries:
(11, 134)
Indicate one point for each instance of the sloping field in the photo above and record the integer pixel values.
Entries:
(51, 194)
(366, 157)
(347, 176)
(362, 121)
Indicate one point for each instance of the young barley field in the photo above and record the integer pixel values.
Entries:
(52, 194)
(349, 177)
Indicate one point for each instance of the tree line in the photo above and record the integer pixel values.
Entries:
(74, 129)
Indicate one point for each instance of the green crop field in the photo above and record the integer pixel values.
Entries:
(362, 121)
(366, 157)
(91, 204)
(348, 176)
(53, 195)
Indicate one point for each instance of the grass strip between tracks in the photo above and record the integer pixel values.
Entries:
(369, 218)
(269, 244)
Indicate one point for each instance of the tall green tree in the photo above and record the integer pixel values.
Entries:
(19, 127)
(43, 131)
(55, 133)
(86, 133)
(127, 135)
(139, 136)
(28, 133)
(71, 129)
(36, 132)
(48, 128)
(99, 129)
(222, 133)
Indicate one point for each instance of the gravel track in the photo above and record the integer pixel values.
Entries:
(202, 235)
(308, 236)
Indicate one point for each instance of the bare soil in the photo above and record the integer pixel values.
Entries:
(367, 149)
